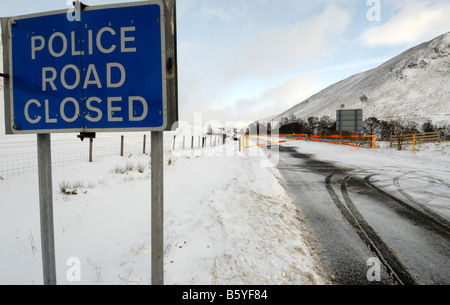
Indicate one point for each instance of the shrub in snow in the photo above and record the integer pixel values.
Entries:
(74, 188)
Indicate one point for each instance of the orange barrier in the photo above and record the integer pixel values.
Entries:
(348, 140)
(353, 140)
(291, 137)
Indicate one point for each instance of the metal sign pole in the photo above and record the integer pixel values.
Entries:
(157, 164)
(46, 208)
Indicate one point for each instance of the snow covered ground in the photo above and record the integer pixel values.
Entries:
(228, 220)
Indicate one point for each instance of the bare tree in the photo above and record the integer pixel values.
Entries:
(372, 125)
(313, 123)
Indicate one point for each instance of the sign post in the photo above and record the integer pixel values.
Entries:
(108, 68)
(157, 162)
(46, 208)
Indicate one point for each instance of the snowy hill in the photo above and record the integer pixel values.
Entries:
(413, 85)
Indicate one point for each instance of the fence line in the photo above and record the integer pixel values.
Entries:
(417, 138)
(183, 142)
(13, 163)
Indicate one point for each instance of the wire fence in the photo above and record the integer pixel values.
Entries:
(17, 157)
(20, 156)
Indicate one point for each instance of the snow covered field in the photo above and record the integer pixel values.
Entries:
(227, 221)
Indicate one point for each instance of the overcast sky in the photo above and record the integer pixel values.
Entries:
(243, 60)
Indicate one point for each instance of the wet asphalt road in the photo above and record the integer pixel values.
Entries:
(365, 237)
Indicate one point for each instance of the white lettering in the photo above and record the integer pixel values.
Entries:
(131, 113)
(74, 52)
(50, 80)
(96, 81)
(108, 75)
(124, 39)
(90, 42)
(27, 116)
(47, 114)
(35, 48)
(99, 42)
(58, 42)
(111, 109)
(50, 44)
(63, 77)
(77, 109)
(91, 108)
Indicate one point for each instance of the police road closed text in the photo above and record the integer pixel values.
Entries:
(103, 72)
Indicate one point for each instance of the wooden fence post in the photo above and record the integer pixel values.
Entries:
(121, 146)
(91, 141)
(143, 150)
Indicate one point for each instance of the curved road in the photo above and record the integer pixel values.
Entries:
(371, 228)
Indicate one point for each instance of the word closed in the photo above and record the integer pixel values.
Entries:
(102, 71)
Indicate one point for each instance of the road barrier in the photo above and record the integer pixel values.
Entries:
(364, 141)
(353, 140)
(271, 139)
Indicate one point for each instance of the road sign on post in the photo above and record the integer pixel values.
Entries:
(92, 69)
(106, 71)
(349, 120)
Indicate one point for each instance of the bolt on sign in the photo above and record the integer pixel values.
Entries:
(103, 71)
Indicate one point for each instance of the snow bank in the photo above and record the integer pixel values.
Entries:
(227, 221)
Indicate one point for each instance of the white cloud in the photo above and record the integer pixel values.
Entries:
(272, 101)
(416, 22)
(242, 82)
(287, 47)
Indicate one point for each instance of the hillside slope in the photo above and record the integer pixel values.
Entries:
(413, 85)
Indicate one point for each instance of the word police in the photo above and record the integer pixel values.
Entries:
(70, 77)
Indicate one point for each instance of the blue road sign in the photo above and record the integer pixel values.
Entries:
(102, 71)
